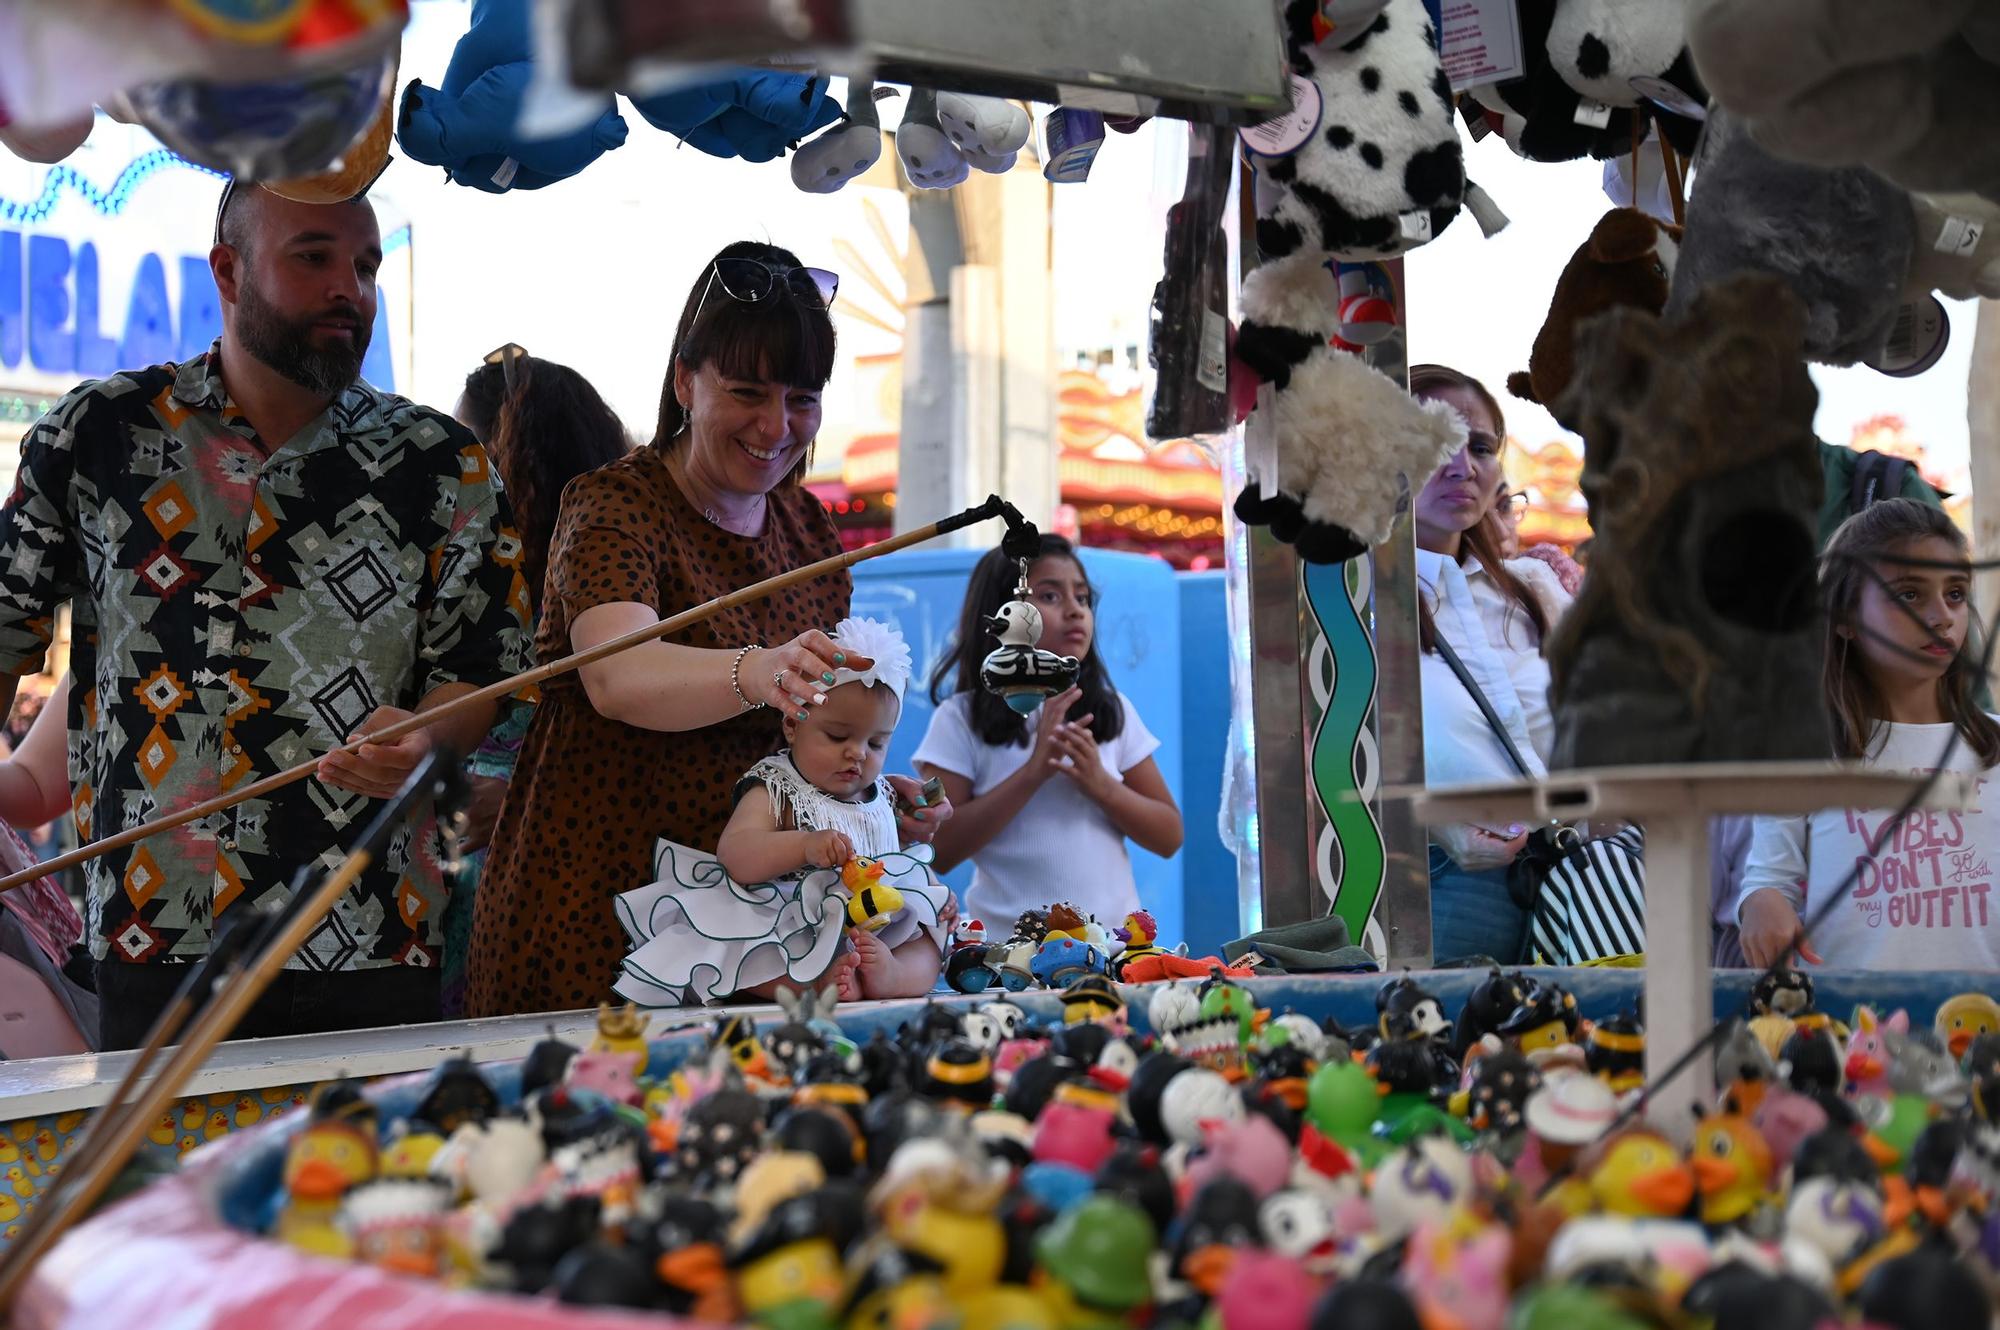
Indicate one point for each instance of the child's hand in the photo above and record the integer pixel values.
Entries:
(1077, 758)
(1770, 928)
(829, 849)
(948, 916)
(1055, 715)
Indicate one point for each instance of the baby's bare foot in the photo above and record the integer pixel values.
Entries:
(847, 978)
(874, 961)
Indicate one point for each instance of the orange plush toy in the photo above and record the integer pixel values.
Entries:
(1628, 261)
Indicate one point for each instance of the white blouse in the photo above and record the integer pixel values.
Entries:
(1497, 641)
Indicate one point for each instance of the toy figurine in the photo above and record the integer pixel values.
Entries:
(1424, 1180)
(1090, 1262)
(1498, 1098)
(737, 1036)
(1867, 1066)
(1076, 1128)
(1405, 1011)
(1963, 1018)
(1265, 1291)
(1147, 1091)
(1065, 920)
(1488, 1007)
(959, 1072)
(683, 1240)
(971, 968)
(1638, 1173)
(1838, 1218)
(621, 1030)
(1092, 997)
(822, 1131)
(789, 1272)
(1732, 1167)
(334, 1153)
(1458, 1281)
(1297, 1223)
(1546, 1021)
(1219, 1220)
(1140, 934)
(1816, 1066)
(1342, 1101)
(1195, 1098)
(719, 1137)
(874, 903)
(768, 1181)
(1223, 997)
(897, 1287)
(1062, 958)
(604, 1274)
(1982, 1066)
(1019, 670)
(460, 1095)
(1253, 1151)
(1616, 1053)
(536, 1237)
(1782, 992)
(545, 1064)
(395, 1225)
(1173, 1004)
(609, 1074)
(1568, 1113)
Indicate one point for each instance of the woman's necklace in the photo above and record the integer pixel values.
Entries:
(754, 521)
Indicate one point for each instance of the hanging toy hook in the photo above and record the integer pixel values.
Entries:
(1019, 670)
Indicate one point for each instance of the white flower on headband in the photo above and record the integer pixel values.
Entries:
(879, 642)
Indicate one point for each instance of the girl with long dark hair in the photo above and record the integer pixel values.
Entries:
(543, 425)
(1494, 613)
(1902, 677)
(1043, 803)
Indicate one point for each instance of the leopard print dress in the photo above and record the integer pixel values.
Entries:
(592, 796)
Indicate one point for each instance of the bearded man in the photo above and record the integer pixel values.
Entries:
(265, 557)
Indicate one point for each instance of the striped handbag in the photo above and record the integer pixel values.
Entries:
(1587, 897)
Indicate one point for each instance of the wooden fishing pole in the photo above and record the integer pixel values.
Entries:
(1018, 528)
(257, 951)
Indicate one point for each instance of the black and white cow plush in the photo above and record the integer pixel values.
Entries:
(1538, 113)
(1383, 171)
(1631, 53)
(1343, 435)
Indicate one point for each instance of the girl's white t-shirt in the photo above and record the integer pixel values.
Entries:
(1061, 846)
(1926, 902)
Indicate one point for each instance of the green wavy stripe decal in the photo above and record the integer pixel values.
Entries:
(1343, 747)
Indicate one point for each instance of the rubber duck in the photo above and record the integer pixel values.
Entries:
(1405, 1010)
(1018, 670)
(789, 1272)
(1839, 1218)
(738, 1036)
(684, 1242)
(1266, 1291)
(1566, 1114)
(248, 1112)
(332, 1154)
(1892, 1124)
(1091, 1262)
(1615, 1052)
(1297, 1223)
(1816, 1063)
(1007, 1307)
(1219, 1220)
(410, 1154)
(621, 1030)
(1782, 992)
(1061, 958)
(1065, 920)
(1342, 1102)
(1640, 1174)
(1867, 1065)
(1426, 1179)
(1458, 1276)
(1982, 1068)
(1963, 1018)
(1487, 1007)
(770, 1179)
(1140, 934)
(958, 1072)
(1194, 1099)
(1091, 997)
(1222, 997)
(972, 967)
(1543, 1025)
(873, 905)
(897, 1287)
(397, 1225)
(460, 1093)
(1732, 1168)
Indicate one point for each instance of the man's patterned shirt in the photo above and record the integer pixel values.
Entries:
(235, 614)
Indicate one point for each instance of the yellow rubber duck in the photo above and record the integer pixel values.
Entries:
(873, 906)
(1732, 1167)
(1640, 1175)
(248, 1112)
(325, 1160)
(217, 1125)
(18, 1179)
(46, 1145)
(1963, 1018)
(409, 1156)
(621, 1030)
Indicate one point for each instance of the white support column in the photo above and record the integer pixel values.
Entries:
(1029, 470)
(978, 377)
(1680, 987)
(1982, 411)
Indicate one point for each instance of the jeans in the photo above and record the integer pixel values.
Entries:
(1473, 914)
(131, 997)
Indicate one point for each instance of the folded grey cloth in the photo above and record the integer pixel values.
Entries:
(1315, 946)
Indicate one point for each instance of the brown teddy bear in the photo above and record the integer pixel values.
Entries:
(1628, 262)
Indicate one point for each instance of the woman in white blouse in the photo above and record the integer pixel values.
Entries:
(1494, 613)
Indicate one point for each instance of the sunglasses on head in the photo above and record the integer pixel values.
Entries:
(222, 205)
(753, 281)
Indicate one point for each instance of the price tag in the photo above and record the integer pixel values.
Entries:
(1918, 341)
(1260, 442)
(1285, 134)
(1211, 368)
(1960, 237)
(504, 176)
(1417, 225)
(1667, 97)
(1594, 114)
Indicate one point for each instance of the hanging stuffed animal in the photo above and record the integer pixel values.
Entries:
(1631, 54)
(1541, 116)
(930, 159)
(1627, 261)
(848, 149)
(1381, 172)
(1342, 436)
(467, 126)
(1910, 89)
(988, 131)
(359, 167)
(45, 144)
(1841, 238)
(755, 114)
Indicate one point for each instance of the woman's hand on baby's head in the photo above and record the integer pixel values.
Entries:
(794, 677)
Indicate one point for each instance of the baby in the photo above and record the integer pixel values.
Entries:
(771, 909)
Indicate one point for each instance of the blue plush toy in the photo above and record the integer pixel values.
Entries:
(753, 114)
(467, 127)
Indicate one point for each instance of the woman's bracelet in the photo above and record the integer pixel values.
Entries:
(737, 679)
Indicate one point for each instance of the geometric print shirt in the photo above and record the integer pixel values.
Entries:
(235, 612)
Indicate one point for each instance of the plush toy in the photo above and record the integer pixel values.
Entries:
(930, 159)
(1841, 238)
(1382, 172)
(755, 114)
(1344, 435)
(357, 168)
(848, 149)
(1699, 455)
(1911, 89)
(1628, 262)
(1539, 114)
(1631, 53)
(467, 126)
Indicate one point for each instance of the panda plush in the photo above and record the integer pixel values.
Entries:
(1343, 435)
(1631, 54)
(1537, 112)
(1381, 171)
